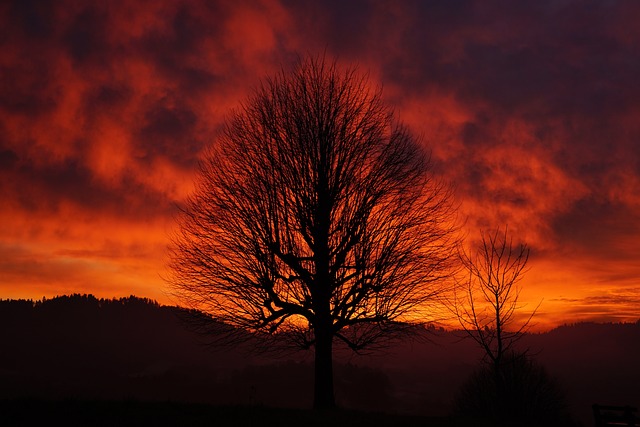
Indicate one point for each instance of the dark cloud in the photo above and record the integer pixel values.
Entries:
(530, 109)
(24, 91)
(599, 228)
(108, 98)
(32, 18)
(8, 159)
(171, 49)
(86, 36)
(169, 131)
(346, 25)
(162, 121)
(46, 190)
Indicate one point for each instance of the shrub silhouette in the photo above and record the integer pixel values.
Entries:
(529, 397)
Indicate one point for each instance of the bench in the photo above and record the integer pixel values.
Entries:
(606, 415)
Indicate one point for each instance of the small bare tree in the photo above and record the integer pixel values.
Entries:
(491, 293)
(511, 386)
(315, 217)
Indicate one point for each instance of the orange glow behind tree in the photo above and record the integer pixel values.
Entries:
(316, 217)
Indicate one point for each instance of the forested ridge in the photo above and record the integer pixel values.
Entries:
(80, 346)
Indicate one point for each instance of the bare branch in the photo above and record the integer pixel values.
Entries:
(491, 294)
(315, 213)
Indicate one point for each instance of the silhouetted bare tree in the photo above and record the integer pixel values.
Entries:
(487, 310)
(315, 216)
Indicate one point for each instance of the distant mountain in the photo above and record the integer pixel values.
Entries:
(81, 346)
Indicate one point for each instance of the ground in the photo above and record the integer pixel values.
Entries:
(125, 413)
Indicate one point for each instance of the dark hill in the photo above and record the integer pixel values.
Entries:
(594, 362)
(79, 346)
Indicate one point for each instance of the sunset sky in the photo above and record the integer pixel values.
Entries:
(531, 110)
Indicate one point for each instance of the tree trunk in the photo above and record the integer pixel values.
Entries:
(323, 390)
(323, 327)
(500, 393)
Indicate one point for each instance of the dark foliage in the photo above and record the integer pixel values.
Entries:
(529, 396)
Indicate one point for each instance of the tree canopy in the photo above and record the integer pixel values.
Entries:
(315, 216)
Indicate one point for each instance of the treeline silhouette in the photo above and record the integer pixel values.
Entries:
(79, 346)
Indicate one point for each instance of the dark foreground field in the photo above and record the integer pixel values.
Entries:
(112, 355)
(32, 412)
